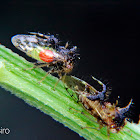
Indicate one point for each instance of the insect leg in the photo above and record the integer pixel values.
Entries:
(98, 128)
(37, 63)
(50, 71)
(75, 99)
(108, 133)
(60, 77)
(81, 112)
(72, 96)
(91, 128)
(38, 66)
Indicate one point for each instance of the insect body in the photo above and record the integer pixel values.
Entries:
(46, 49)
(107, 114)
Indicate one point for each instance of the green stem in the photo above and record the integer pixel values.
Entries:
(25, 85)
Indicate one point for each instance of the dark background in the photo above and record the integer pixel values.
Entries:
(105, 33)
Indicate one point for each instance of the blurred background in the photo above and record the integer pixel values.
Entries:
(105, 33)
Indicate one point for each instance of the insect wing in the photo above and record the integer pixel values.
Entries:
(28, 42)
(34, 47)
(73, 82)
(78, 84)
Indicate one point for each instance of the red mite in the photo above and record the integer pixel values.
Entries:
(94, 102)
(47, 56)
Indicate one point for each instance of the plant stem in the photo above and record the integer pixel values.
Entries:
(25, 85)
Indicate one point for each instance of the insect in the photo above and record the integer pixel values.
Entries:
(47, 51)
(107, 114)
